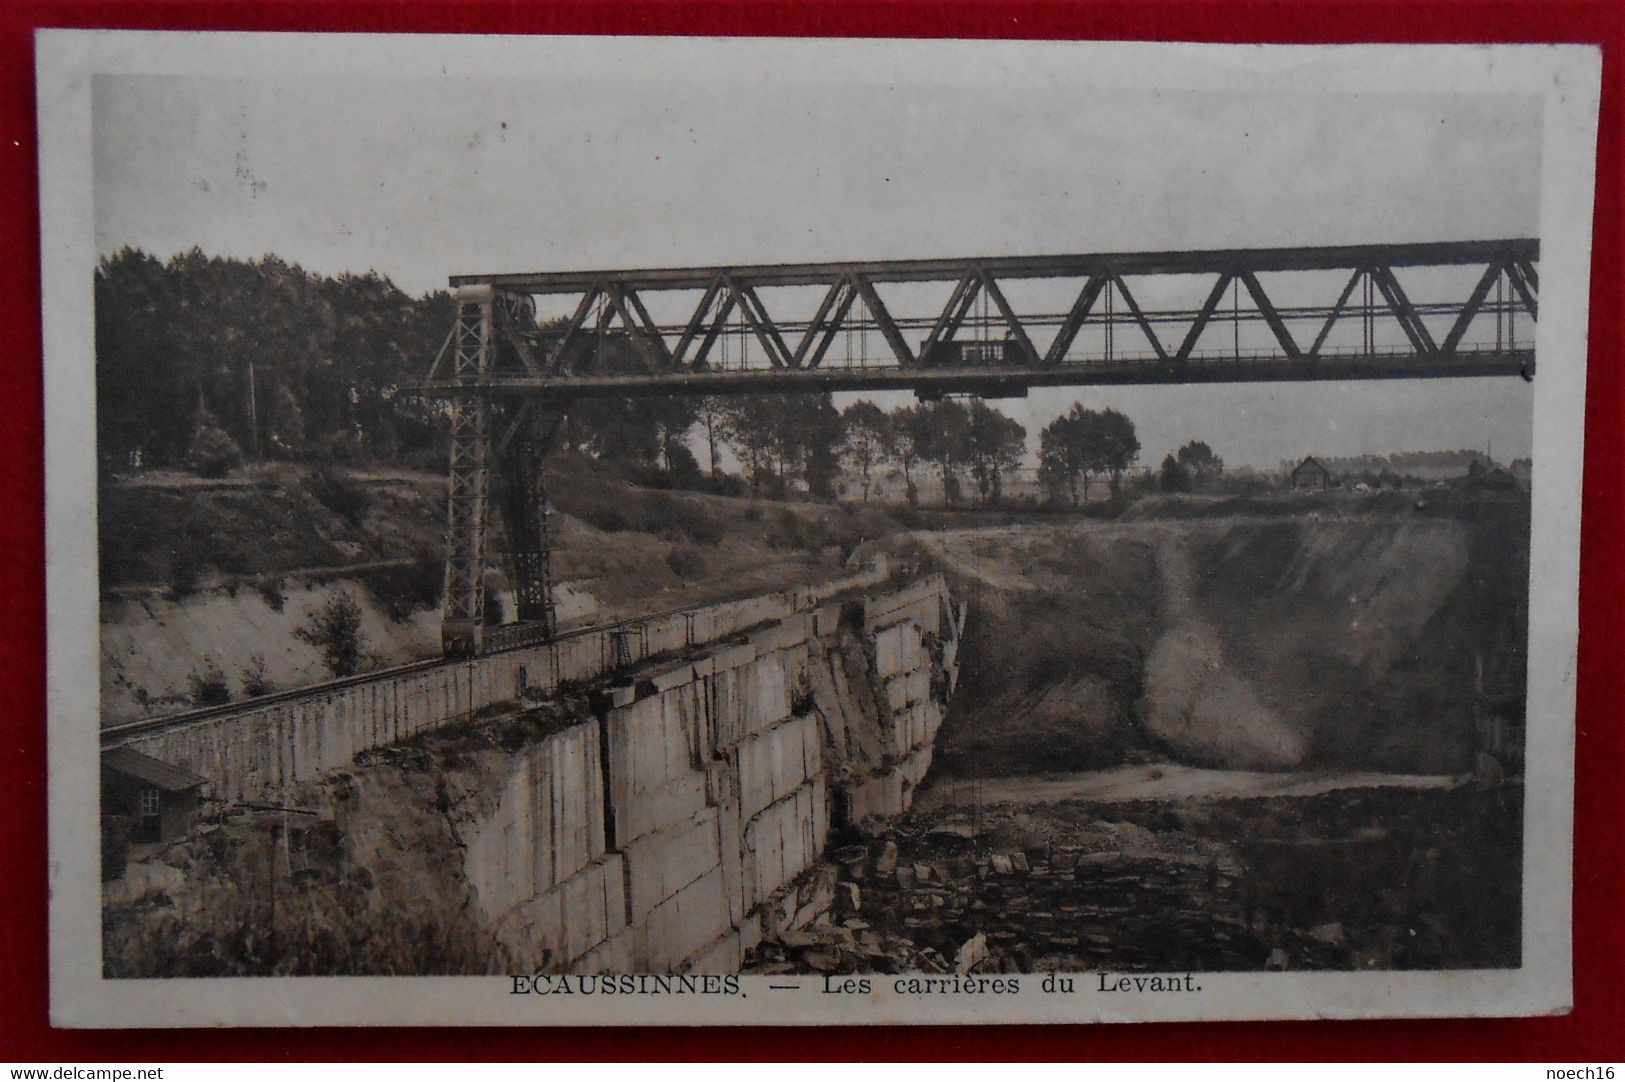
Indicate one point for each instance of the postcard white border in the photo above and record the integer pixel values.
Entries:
(1566, 77)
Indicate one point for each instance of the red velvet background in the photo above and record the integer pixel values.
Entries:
(1594, 1031)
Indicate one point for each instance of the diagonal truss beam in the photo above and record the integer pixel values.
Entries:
(1272, 318)
(846, 294)
(883, 320)
(1337, 310)
(1140, 318)
(1016, 329)
(1475, 302)
(831, 299)
(696, 322)
(636, 317)
(1404, 311)
(953, 314)
(557, 355)
(1203, 317)
(717, 325)
(760, 322)
(1075, 317)
(1524, 283)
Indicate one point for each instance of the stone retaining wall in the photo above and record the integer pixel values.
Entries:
(258, 751)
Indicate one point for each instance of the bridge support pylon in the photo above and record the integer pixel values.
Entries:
(525, 514)
(462, 627)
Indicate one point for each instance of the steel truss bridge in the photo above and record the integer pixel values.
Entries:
(993, 327)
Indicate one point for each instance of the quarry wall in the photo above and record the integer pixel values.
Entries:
(691, 814)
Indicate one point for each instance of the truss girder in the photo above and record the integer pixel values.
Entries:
(729, 308)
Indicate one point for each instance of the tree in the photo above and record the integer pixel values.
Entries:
(1113, 447)
(335, 629)
(818, 431)
(1083, 444)
(680, 463)
(943, 438)
(911, 432)
(1199, 461)
(866, 440)
(709, 415)
(752, 432)
(1053, 474)
(994, 445)
(1174, 477)
(212, 452)
(1060, 460)
(781, 437)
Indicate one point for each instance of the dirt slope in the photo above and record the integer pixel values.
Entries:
(226, 572)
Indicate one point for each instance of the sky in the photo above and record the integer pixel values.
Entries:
(589, 165)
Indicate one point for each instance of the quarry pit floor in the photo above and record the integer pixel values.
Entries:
(1166, 781)
(1164, 868)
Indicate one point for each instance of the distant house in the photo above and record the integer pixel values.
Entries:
(1312, 475)
(159, 800)
(1482, 473)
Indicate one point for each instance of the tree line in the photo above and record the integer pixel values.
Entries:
(958, 440)
(204, 362)
(201, 360)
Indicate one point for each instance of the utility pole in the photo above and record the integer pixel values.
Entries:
(253, 417)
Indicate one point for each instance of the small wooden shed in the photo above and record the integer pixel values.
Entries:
(160, 800)
(1311, 474)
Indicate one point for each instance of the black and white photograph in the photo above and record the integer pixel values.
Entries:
(607, 531)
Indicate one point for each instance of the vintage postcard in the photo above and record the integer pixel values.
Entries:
(631, 530)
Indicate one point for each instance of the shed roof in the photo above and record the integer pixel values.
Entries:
(150, 771)
(1310, 461)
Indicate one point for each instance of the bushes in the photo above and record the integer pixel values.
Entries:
(686, 561)
(339, 494)
(184, 571)
(213, 452)
(496, 607)
(254, 681)
(335, 629)
(658, 513)
(270, 588)
(115, 846)
(207, 686)
(406, 589)
(611, 519)
(680, 518)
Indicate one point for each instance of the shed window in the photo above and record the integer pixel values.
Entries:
(149, 802)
